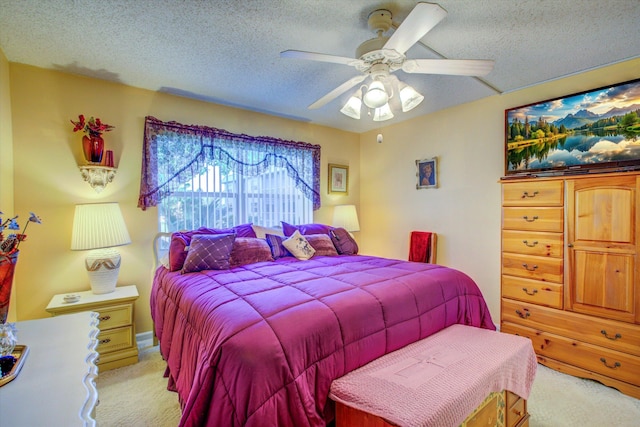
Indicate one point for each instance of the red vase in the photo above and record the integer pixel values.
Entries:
(7, 268)
(93, 147)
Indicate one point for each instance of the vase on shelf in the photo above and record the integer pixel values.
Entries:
(93, 148)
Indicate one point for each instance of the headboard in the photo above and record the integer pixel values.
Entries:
(160, 248)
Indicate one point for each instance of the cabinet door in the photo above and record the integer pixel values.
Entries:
(602, 236)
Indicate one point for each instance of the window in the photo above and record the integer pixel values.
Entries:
(199, 176)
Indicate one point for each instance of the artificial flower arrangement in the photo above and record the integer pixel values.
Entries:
(91, 127)
(10, 244)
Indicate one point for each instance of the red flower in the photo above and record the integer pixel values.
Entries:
(91, 127)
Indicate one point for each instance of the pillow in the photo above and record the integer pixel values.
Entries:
(249, 250)
(299, 246)
(180, 240)
(209, 252)
(343, 241)
(305, 229)
(322, 244)
(277, 249)
(261, 232)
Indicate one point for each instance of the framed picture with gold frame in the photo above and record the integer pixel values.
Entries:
(338, 179)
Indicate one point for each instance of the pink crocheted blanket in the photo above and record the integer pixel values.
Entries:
(440, 380)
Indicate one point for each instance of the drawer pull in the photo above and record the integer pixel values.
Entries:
(105, 341)
(615, 337)
(526, 218)
(517, 412)
(526, 242)
(533, 292)
(104, 318)
(614, 366)
(526, 267)
(525, 315)
(526, 194)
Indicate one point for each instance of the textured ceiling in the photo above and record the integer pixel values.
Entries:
(228, 51)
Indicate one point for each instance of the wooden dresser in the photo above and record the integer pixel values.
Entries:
(570, 273)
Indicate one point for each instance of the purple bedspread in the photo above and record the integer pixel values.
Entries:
(259, 345)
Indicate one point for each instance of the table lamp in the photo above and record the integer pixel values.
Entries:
(98, 228)
(345, 216)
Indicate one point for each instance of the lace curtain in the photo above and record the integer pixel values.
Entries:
(178, 148)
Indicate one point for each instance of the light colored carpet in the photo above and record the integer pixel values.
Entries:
(137, 395)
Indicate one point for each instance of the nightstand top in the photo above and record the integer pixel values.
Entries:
(88, 299)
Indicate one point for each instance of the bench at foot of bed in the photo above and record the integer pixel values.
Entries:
(460, 376)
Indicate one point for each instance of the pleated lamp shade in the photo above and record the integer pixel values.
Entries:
(98, 228)
(345, 216)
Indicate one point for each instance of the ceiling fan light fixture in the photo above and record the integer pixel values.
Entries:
(383, 113)
(376, 96)
(409, 97)
(353, 106)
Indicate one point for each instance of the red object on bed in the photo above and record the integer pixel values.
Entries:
(260, 344)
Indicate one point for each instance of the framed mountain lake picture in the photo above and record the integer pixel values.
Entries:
(587, 132)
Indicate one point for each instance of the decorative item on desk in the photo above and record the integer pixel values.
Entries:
(100, 227)
(92, 142)
(9, 245)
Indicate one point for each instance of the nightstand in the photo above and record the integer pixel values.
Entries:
(117, 345)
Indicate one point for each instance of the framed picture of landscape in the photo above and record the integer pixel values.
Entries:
(592, 131)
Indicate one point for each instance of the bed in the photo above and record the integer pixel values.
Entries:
(259, 344)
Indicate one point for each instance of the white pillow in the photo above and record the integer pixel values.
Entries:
(299, 246)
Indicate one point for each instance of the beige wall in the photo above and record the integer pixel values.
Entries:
(465, 210)
(47, 180)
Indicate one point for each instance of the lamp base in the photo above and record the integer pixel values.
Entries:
(103, 266)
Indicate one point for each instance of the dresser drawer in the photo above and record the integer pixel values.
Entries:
(530, 267)
(533, 291)
(115, 316)
(611, 334)
(533, 243)
(604, 361)
(533, 219)
(542, 193)
(115, 339)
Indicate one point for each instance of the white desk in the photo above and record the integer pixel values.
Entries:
(56, 386)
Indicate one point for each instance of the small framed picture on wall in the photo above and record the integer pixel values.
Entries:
(427, 173)
(338, 179)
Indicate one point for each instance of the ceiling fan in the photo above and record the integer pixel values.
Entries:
(381, 56)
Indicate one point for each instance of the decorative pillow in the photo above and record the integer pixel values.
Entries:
(209, 252)
(299, 246)
(249, 250)
(344, 243)
(180, 240)
(305, 229)
(277, 248)
(261, 232)
(322, 244)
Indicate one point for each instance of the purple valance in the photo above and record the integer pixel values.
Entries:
(171, 150)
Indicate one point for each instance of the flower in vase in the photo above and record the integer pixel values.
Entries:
(9, 244)
(91, 127)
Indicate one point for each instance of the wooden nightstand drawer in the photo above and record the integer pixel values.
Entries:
(533, 219)
(115, 339)
(539, 193)
(116, 316)
(516, 409)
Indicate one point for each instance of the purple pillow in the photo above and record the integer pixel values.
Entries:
(322, 244)
(249, 250)
(305, 229)
(209, 252)
(277, 248)
(181, 239)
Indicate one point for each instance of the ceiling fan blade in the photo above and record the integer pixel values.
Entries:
(421, 19)
(455, 67)
(312, 56)
(337, 91)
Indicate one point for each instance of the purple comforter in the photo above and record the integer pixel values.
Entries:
(259, 345)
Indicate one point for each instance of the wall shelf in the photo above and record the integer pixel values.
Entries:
(97, 176)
